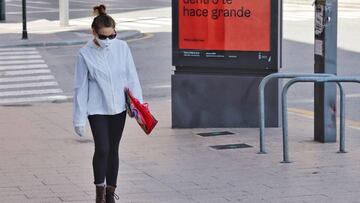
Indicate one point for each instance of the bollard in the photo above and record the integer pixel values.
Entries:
(24, 31)
(64, 12)
(2, 10)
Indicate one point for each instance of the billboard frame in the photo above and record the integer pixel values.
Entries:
(246, 61)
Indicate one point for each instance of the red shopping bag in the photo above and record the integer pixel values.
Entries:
(140, 112)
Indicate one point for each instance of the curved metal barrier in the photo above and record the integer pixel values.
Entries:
(261, 91)
(337, 80)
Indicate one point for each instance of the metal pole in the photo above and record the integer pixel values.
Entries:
(24, 32)
(325, 62)
(64, 12)
(342, 119)
(284, 122)
(2, 10)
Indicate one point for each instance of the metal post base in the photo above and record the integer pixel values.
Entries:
(261, 153)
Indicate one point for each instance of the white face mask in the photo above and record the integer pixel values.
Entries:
(105, 42)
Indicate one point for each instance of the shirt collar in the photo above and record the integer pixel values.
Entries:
(91, 44)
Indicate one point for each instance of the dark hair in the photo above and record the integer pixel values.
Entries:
(102, 19)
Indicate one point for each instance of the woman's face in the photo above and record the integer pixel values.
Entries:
(104, 31)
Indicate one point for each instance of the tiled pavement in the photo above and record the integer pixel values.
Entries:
(42, 160)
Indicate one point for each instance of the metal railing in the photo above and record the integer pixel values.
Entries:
(337, 80)
(261, 91)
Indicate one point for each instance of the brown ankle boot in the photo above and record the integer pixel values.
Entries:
(110, 194)
(100, 194)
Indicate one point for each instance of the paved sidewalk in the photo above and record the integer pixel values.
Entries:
(57, 39)
(43, 32)
(49, 33)
(42, 160)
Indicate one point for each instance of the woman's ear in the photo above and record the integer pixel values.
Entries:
(94, 32)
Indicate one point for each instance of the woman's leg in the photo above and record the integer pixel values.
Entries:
(117, 123)
(100, 129)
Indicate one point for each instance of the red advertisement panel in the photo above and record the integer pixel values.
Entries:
(229, 25)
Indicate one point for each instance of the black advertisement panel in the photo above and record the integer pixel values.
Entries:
(240, 34)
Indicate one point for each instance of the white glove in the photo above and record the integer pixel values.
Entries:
(80, 130)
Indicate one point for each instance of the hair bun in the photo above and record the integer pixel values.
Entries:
(99, 10)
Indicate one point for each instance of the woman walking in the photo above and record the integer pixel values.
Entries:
(104, 67)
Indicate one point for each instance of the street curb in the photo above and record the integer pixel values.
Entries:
(124, 35)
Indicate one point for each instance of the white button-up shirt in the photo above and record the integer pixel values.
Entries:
(101, 74)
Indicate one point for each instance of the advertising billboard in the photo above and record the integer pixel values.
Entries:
(240, 34)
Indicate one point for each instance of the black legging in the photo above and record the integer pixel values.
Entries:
(107, 131)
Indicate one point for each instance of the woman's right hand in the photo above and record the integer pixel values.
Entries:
(80, 130)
